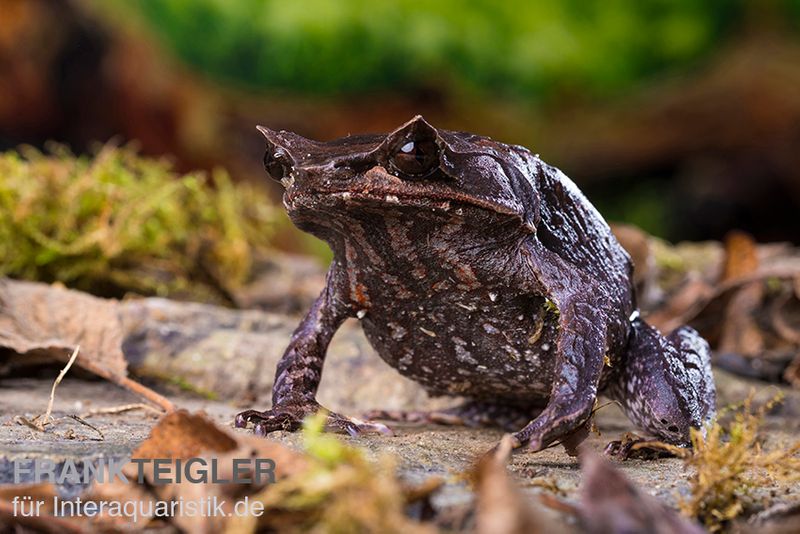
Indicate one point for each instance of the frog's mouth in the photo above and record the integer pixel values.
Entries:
(379, 188)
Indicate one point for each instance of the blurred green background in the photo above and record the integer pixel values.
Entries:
(680, 116)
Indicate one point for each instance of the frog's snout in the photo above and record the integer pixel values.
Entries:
(669, 418)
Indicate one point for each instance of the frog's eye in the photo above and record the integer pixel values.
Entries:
(416, 157)
(276, 163)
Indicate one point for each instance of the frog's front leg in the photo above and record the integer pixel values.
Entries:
(580, 348)
(299, 373)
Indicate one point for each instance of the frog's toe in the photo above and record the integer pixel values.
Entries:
(356, 427)
(247, 416)
(631, 446)
(288, 417)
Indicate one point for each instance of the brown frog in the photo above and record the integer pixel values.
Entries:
(479, 271)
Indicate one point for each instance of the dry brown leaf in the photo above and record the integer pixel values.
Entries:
(682, 306)
(792, 373)
(612, 503)
(502, 507)
(183, 435)
(741, 256)
(740, 332)
(637, 243)
(784, 316)
(44, 521)
(38, 318)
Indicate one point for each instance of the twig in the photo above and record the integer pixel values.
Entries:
(43, 421)
(113, 410)
(131, 385)
(81, 421)
(20, 420)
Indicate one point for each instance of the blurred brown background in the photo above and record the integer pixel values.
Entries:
(681, 117)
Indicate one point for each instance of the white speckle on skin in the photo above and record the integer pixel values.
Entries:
(463, 355)
(514, 353)
(467, 307)
(428, 332)
(545, 346)
(493, 297)
(392, 199)
(398, 332)
(531, 356)
(490, 329)
(361, 313)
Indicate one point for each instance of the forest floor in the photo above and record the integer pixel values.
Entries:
(421, 451)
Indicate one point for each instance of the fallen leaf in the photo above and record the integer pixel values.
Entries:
(502, 507)
(637, 243)
(741, 256)
(184, 435)
(39, 320)
(181, 434)
(610, 503)
(44, 520)
(740, 332)
(682, 306)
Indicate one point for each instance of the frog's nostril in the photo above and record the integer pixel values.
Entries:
(672, 428)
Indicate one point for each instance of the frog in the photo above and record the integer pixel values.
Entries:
(480, 272)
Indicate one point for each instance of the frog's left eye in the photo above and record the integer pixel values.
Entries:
(416, 157)
(276, 163)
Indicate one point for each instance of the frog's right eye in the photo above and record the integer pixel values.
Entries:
(277, 164)
(416, 157)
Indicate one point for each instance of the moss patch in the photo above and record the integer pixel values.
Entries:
(118, 222)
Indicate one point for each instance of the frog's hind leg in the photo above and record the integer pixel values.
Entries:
(473, 413)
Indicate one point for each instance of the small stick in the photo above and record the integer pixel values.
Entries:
(81, 421)
(43, 421)
(112, 410)
(131, 385)
(20, 420)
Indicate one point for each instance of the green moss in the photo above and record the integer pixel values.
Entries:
(118, 222)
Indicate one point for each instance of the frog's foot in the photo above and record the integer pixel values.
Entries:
(633, 446)
(571, 439)
(472, 414)
(290, 416)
